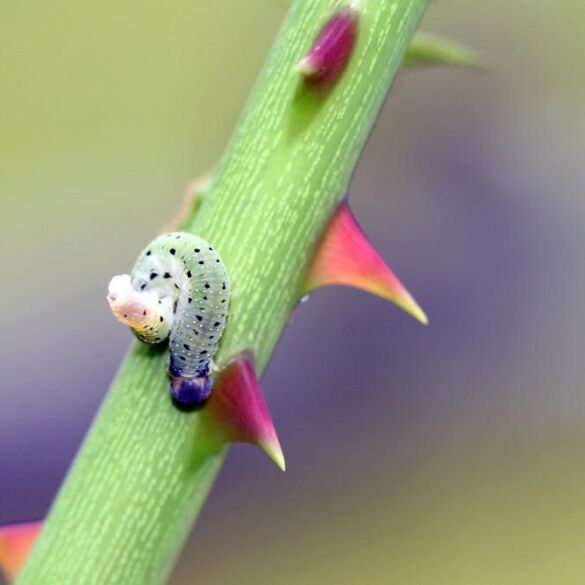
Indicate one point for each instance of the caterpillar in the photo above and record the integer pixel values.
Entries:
(178, 289)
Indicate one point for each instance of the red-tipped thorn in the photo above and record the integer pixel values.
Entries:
(345, 256)
(237, 411)
(330, 53)
(16, 541)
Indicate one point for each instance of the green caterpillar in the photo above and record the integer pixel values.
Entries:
(179, 289)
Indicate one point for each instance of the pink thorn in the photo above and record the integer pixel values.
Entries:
(237, 408)
(16, 541)
(331, 51)
(345, 256)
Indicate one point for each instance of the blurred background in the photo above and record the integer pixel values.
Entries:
(452, 454)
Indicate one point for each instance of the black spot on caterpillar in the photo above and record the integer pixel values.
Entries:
(161, 308)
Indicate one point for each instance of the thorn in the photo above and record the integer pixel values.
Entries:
(193, 197)
(345, 256)
(427, 49)
(238, 412)
(306, 67)
(330, 53)
(16, 541)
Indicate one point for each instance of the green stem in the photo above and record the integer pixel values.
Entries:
(137, 484)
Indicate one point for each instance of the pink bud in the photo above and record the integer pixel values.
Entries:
(332, 49)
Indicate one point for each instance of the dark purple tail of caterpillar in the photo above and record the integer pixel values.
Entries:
(191, 392)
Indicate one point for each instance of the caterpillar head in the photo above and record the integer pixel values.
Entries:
(143, 311)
